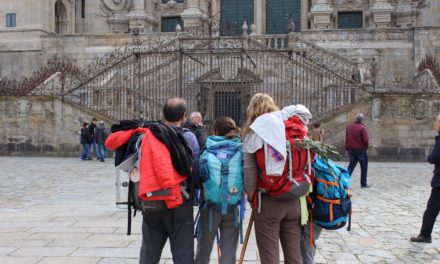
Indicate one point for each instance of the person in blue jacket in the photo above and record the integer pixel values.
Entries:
(433, 207)
(212, 219)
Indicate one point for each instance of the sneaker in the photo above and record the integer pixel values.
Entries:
(421, 239)
(89, 159)
(366, 186)
(102, 160)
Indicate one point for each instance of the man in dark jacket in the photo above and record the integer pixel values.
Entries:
(196, 126)
(100, 134)
(433, 207)
(356, 144)
(84, 140)
(92, 140)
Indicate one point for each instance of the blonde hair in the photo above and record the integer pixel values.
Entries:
(259, 104)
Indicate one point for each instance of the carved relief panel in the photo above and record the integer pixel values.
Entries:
(116, 11)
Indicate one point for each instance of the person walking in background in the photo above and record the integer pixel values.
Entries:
(356, 144)
(195, 125)
(225, 142)
(100, 135)
(433, 206)
(317, 132)
(84, 140)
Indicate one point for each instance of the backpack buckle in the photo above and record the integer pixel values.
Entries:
(224, 169)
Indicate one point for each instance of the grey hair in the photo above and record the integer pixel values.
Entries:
(193, 114)
(359, 118)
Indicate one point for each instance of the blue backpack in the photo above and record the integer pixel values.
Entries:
(332, 197)
(221, 172)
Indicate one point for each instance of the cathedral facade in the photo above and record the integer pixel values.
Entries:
(31, 31)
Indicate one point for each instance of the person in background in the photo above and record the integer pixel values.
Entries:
(317, 132)
(433, 206)
(356, 144)
(92, 140)
(84, 140)
(100, 135)
(195, 124)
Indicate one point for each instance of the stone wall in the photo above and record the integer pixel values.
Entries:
(426, 42)
(41, 126)
(400, 125)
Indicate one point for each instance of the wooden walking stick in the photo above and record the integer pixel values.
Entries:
(246, 238)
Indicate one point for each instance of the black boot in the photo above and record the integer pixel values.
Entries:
(421, 239)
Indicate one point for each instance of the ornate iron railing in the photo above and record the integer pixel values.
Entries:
(216, 75)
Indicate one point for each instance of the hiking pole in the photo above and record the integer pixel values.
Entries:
(218, 248)
(246, 238)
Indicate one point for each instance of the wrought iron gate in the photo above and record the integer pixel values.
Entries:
(217, 76)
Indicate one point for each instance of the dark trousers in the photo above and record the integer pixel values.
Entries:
(362, 157)
(175, 224)
(431, 212)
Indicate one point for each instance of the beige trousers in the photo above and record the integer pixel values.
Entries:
(279, 221)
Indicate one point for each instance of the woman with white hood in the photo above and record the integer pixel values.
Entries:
(276, 220)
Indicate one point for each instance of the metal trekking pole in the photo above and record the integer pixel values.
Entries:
(246, 238)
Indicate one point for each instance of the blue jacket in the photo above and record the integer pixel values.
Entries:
(434, 158)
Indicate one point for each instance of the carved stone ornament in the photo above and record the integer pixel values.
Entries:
(172, 7)
(109, 7)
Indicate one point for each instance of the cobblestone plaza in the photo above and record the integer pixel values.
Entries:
(61, 210)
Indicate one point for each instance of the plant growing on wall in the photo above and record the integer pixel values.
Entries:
(430, 63)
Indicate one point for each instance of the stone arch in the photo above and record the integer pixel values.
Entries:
(63, 16)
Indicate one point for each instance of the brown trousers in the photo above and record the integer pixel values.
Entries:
(279, 221)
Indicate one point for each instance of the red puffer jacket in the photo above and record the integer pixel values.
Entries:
(156, 169)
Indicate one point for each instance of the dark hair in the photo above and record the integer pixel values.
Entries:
(316, 125)
(94, 119)
(174, 109)
(85, 124)
(225, 126)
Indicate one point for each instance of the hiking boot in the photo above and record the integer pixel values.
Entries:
(421, 239)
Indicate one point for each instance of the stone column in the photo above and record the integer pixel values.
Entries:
(258, 16)
(139, 19)
(321, 13)
(304, 14)
(381, 12)
(192, 16)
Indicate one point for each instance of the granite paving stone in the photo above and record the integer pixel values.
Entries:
(19, 260)
(68, 260)
(64, 212)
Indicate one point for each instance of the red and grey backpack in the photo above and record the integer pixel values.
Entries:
(296, 178)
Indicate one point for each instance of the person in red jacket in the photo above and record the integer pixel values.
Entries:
(356, 144)
(174, 224)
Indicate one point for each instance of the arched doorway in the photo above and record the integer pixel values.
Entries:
(61, 21)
